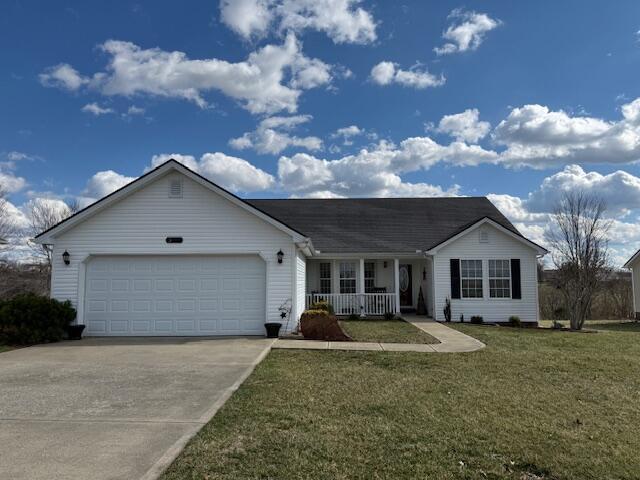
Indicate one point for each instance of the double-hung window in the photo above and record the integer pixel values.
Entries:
(347, 277)
(369, 276)
(325, 277)
(471, 278)
(499, 279)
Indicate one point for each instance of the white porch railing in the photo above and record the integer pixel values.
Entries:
(356, 303)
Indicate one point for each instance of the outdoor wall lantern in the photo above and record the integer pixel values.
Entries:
(424, 273)
(66, 258)
(280, 256)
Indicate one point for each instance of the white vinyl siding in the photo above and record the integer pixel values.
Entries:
(499, 246)
(208, 223)
(301, 273)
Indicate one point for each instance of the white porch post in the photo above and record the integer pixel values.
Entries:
(396, 282)
(360, 287)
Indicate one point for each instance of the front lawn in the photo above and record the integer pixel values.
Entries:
(4, 348)
(393, 331)
(613, 325)
(557, 405)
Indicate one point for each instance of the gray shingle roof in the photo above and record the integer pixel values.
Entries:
(400, 225)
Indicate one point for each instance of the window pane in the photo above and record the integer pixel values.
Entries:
(347, 277)
(471, 278)
(369, 276)
(499, 278)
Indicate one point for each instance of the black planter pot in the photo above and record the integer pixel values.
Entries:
(273, 329)
(74, 332)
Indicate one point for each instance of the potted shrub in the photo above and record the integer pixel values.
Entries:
(273, 329)
(74, 332)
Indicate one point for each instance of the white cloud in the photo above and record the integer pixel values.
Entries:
(377, 171)
(620, 190)
(348, 132)
(271, 136)
(232, 173)
(538, 137)
(342, 20)
(133, 110)
(96, 109)
(63, 76)
(386, 73)
(9, 181)
(103, 183)
(248, 18)
(466, 32)
(465, 126)
(271, 79)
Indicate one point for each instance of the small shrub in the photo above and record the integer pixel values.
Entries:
(556, 325)
(447, 310)
(322, 305)
(353, 316)
(320, 325)
(28, 319)
(514, 321)
(477, 319)
(389, 316)
(462, 318)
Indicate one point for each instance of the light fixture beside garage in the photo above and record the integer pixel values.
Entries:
(280, 255)
(66, 258)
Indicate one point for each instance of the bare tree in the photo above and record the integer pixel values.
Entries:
(578, 240)
(7, 227)
(44, 214)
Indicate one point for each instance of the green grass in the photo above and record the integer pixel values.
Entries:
(612, 325)
(393, 331)
(560, 405)
(4, 348)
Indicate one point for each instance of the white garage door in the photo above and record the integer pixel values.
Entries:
(175, 295)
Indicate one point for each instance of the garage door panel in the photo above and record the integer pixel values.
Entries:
(175, 295)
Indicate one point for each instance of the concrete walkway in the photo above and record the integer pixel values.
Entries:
(451, 341)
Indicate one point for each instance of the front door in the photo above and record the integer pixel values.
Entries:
(406, 298)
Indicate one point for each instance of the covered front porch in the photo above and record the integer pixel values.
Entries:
(370, 286)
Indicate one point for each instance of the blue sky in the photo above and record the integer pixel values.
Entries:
(519, 100)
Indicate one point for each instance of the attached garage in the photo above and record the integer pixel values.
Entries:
(175, 295)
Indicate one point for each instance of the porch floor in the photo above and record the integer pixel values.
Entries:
(451, 341)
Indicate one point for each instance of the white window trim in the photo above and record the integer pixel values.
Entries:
(510, 297)
(484, 293)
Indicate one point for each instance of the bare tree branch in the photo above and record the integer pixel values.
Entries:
(578, 240)
(7, 226)
(43, 214)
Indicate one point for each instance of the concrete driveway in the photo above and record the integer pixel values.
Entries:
(113, 408)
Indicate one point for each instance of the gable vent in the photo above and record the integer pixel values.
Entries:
(175, 188)
(484, 236)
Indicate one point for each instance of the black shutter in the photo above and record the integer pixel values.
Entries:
(516, 291)
(454, 263)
